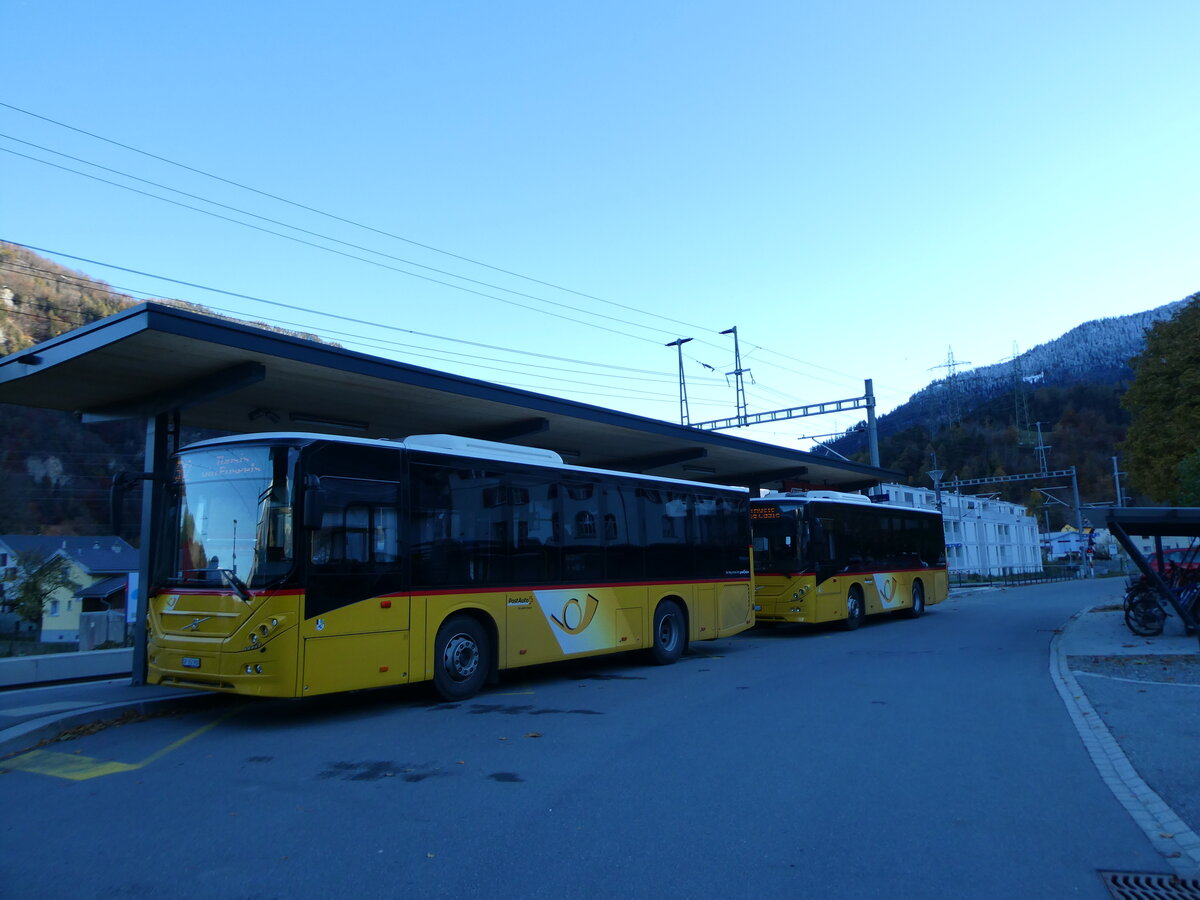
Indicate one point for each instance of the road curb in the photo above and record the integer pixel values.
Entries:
(1168, 833)
(27, 735)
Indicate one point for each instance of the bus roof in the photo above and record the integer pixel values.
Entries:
(800, 497)
(454, 445)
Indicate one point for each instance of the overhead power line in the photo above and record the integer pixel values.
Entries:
(613, 391)
(371, 262)
(337, 218)
(104, 287)
(388, 234)
(316, 234)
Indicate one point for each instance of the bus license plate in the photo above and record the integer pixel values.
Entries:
(191, 662)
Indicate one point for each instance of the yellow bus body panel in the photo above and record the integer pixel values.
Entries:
(207, 641)
(216, 642)
(798, 598)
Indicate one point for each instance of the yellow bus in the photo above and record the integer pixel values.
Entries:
(825, 556)
(289, 565)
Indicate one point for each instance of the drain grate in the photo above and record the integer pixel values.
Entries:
(1150, 886)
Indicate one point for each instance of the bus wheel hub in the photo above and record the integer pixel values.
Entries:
(461, 658)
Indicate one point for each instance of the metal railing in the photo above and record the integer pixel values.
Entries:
(1006, 577)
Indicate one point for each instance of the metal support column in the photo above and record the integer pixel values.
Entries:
(683, 401)
(739, 382)
(872, 430)
(1078, 505)
(158, 430)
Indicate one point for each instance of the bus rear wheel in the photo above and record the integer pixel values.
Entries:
(669, 634)
(462, 658)
(918, 601)
(855, 610)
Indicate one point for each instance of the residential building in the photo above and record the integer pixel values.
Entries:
(100, 566)
(984, 536)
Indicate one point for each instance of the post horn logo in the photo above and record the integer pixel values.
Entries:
(575, 616)
(888, 589)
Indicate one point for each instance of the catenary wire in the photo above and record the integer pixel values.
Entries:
(410, 241)
(370, 262)
(376, 342)
(104, 287)
(336, 217)
(297, 228)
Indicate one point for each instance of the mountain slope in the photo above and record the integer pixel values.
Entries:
(1062, 397)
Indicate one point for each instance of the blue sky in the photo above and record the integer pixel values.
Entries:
(858, 187)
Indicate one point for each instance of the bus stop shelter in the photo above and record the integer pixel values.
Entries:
(161, 361)
(170, 368)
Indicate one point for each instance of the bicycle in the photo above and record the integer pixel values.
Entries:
(1145, 615)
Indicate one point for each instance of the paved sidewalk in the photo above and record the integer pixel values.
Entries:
(29, 716)
(1136, 704)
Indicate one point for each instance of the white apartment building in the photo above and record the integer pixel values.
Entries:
(983, 536)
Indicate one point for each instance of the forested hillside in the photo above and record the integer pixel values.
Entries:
(55, 472)
(985, 422)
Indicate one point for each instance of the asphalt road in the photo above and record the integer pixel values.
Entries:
(928, 758)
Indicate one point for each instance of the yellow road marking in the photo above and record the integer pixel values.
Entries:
(81, 768)
(65, 765)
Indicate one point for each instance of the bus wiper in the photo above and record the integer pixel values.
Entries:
(236, 583)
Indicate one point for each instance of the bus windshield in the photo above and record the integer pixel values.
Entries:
(780, 538)
(231, 516)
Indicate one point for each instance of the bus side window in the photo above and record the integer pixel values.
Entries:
(358, 525)
(355, 543)
(668, 526)
(823, 540)
(432, 526)
(536, 551)
(622, 534)
(583, 542)
(722, 533)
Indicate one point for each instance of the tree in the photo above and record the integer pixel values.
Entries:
(1189, 480)
(39, 578)
(1164, 401)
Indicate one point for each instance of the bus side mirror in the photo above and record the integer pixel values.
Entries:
(314, 507)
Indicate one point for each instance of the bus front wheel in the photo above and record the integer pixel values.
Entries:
(669, 634)
(462, 658)
(855, 610)
(918, 601)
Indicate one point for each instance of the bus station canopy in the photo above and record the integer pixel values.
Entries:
(154, 360)
(1150, 521)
